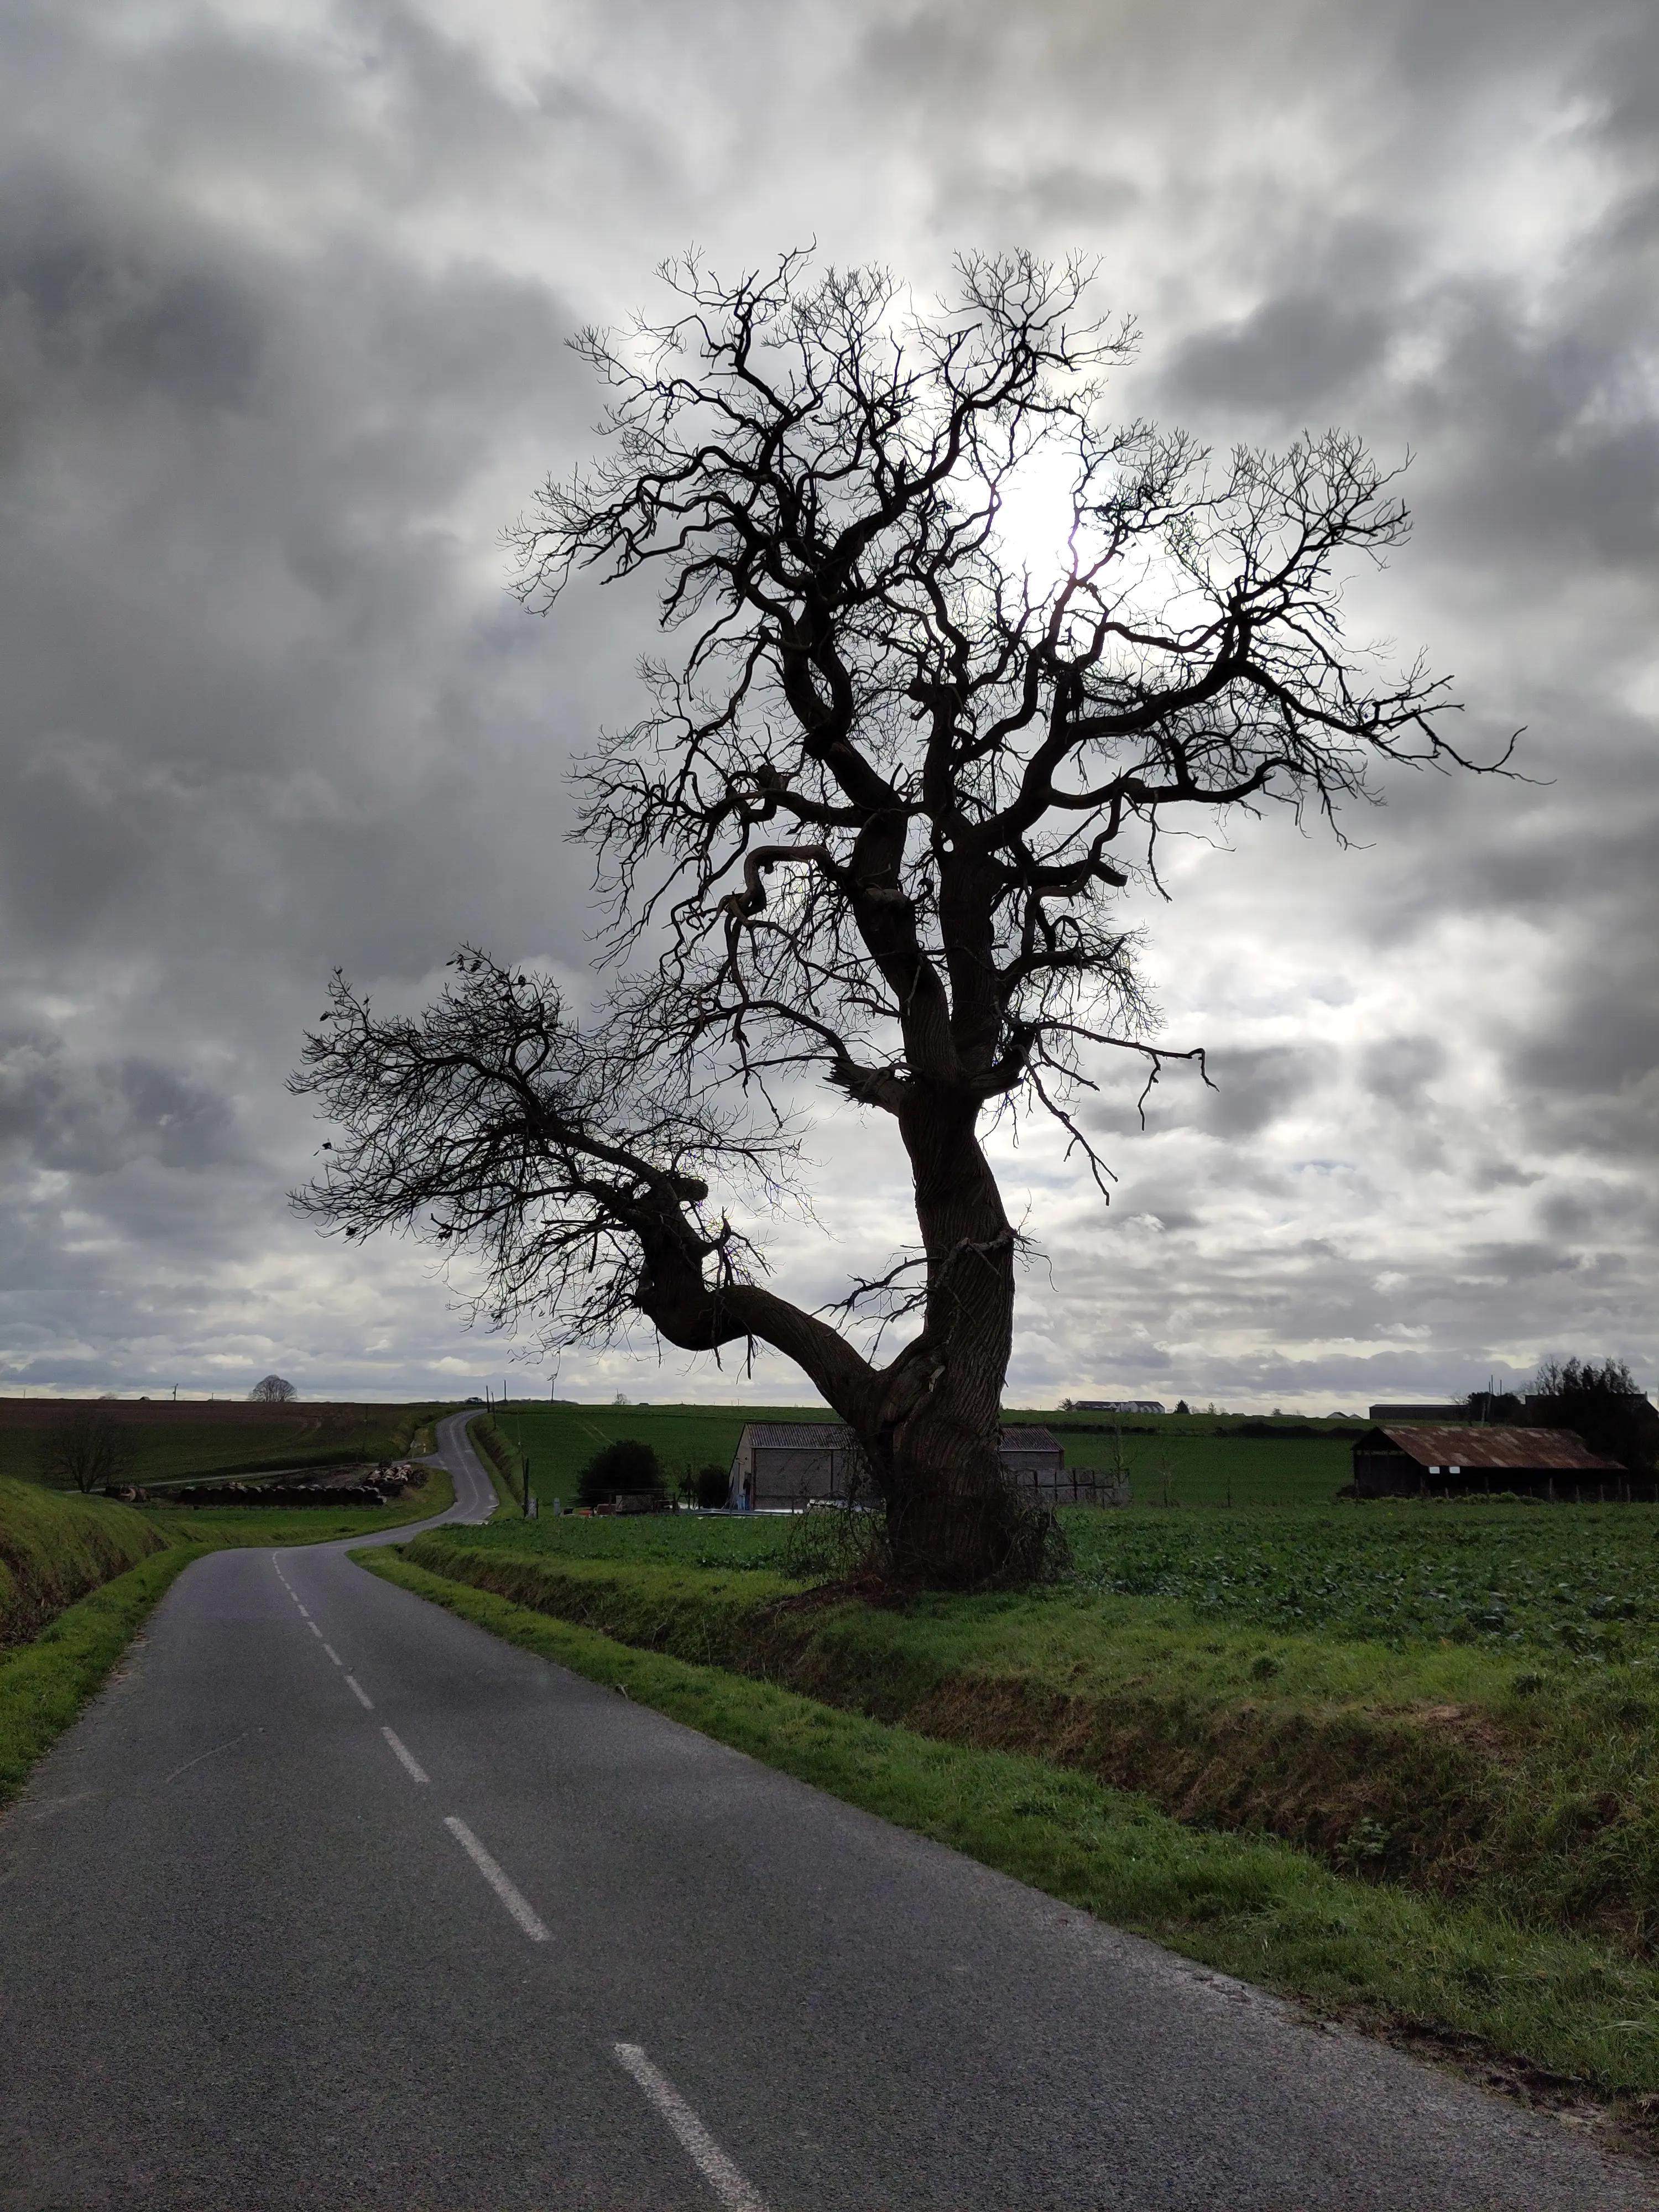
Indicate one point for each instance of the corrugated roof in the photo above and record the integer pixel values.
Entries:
(1525, 1450)
(797, 1436)
(1032, 1439)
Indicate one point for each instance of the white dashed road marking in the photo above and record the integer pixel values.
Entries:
(728, 2184)
(515, 1902)
(407, 1756)
(332, 1653)
(360, 1693)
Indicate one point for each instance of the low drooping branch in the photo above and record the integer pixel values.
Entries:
(495, 1123)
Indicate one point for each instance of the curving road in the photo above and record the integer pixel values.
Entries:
(332, 1900)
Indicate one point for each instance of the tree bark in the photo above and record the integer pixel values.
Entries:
(953, 1519)
(930, 1424)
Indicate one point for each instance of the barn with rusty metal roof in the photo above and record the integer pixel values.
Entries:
(1397, 1461)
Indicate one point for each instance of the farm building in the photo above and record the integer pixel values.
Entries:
(1397, 1461)
(784, 1463)
(779, 1464)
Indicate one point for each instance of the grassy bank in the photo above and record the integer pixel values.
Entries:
(54, 1549)
(45, 1684)
(1559, 2012)
(502, 1460)
(1498, 1747)
(46, 1681)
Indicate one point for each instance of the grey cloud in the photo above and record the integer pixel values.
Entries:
(92, 304)
(1254, 1088)
(1293, 355)
(1251, 1087)
(91, 1120)
(1398, 1068)
(281, 323)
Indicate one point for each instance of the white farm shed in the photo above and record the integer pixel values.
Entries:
(782, 1464)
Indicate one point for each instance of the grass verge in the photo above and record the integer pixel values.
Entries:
(501, 1461)
(45, 1684)
(1551, 2016)
(54, 1548)
(1523, 1777)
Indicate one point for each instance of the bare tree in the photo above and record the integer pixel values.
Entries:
(272, 1390)
(1602, 1403)
(875, 826)
(89, 1449)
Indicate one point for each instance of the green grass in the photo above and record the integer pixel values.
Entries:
(45, 1682)
(1375, 1954)
(1182, 1469)
(1196, 1459)
(53, 1549)
(559, 1440)
(1236, 1687)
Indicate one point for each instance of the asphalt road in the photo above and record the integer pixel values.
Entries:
(332, 1899)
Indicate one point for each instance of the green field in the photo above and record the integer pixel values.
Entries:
(1574, 1584)
(559, 1440)
(1180, 1459)
(175, 1444)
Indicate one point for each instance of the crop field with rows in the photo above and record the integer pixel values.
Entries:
(1576, 1582)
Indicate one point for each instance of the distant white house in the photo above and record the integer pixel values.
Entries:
(782, 1464)
(1113, 1405)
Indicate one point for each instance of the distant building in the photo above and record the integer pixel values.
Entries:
(1397, 1459)
(786, 1463)
(1035, 1461)
(780, 1464)
(1116, 1406)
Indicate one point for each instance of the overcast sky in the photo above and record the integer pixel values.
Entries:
(284, 294)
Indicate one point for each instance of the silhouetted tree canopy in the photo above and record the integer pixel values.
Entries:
(950, 650)
(1600, 1401)
(272, 1390)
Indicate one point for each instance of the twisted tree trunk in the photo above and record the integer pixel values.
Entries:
(952, 1517)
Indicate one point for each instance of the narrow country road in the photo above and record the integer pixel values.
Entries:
(332, 1900)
